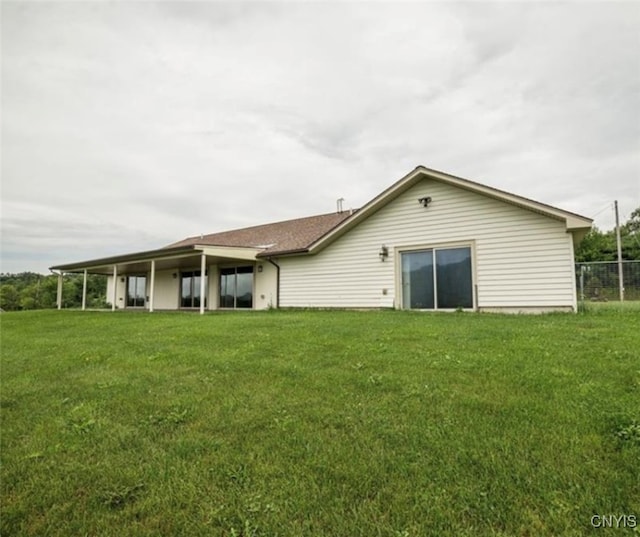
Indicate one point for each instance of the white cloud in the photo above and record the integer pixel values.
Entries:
(136, 124)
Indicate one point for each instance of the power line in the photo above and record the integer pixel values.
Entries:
(607, 206)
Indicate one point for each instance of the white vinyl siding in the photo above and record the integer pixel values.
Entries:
(120, 291)
(167, 290)
(521, 258)
(266, 286)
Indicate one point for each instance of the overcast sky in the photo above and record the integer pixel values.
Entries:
(128, 126)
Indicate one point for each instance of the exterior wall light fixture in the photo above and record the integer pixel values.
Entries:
(384, 253)
(425, 201)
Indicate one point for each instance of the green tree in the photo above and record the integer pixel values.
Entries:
(28, 303)
(597, 246)
(48, 292)
(9, 297)
(29, 296)
(602, 246)
(633, 224)
(28, 290)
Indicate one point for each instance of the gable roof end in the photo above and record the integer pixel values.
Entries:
(574, 222)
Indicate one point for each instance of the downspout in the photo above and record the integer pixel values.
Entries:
(277, 280)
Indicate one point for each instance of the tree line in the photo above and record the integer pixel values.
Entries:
(31, 291)
(601, 281)
(602, 245)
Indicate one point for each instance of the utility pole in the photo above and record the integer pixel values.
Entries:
(620, 276)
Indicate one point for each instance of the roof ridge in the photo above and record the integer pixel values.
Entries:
(289, 220)
(289, 234)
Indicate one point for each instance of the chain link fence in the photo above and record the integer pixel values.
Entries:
(598, 281)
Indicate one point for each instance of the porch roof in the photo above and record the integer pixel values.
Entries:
(165, 258)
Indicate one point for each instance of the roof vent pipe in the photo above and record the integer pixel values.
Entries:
(339, 204)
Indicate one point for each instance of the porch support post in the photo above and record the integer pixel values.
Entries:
(84, 291)
(152, 284)
(203, 270)
(115, 288)
(59, 293)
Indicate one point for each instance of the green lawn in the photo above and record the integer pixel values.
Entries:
(327, 423)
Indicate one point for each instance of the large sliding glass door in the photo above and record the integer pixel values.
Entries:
(417, 280)
(438, 278)
(190, 289)
(453, 277)
(236, 287)
(136, 291)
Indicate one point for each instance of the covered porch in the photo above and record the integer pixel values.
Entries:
(191, 278)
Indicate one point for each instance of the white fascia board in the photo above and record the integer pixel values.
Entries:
(126, 259)
(573, 221)
(230, 252)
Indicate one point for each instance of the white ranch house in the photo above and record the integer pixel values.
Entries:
(431, 241)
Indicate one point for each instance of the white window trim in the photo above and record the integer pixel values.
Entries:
(184, 270)
(144, 275)
(253, 285)
(397, 258)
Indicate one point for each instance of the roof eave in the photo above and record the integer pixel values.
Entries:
(125, 258)
(246, 253)
(280, 253)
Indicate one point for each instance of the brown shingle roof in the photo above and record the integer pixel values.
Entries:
(277, 238)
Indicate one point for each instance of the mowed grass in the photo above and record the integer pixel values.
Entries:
(328, 423)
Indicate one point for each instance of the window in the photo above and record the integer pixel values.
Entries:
(190, 289)
(236, 287)
(136, 291)
(438, 278)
